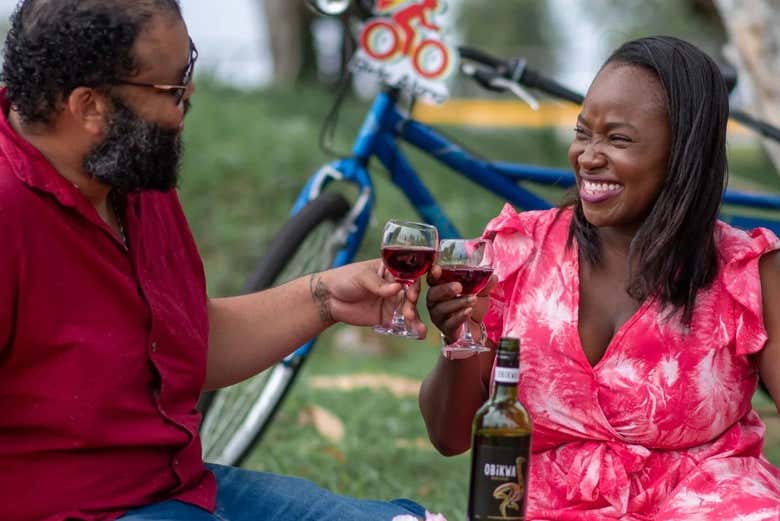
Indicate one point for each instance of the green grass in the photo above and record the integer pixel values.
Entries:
(248, 154)
(384, 452)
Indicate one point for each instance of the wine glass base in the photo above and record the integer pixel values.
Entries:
(397, 331)
(463, 349)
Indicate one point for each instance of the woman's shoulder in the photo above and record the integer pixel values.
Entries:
(518, 237)
(531, 223)
(739, 253)
(735, 245)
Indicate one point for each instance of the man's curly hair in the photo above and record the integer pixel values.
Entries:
(55, 46)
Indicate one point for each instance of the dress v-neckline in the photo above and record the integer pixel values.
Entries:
(619, 334)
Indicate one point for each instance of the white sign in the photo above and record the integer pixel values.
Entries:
(405, 45)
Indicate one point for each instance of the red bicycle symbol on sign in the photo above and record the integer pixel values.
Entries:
(385, 39)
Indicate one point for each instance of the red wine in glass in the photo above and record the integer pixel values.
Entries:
(471, 279)
(408, 251)
(470, 263)
(408, 263)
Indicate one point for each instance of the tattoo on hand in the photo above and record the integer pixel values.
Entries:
(321, 296)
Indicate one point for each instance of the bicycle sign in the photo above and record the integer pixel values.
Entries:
(404, 46)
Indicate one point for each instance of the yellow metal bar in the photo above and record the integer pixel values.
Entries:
(507, 113)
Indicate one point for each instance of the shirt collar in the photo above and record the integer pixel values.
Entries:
(31, 166)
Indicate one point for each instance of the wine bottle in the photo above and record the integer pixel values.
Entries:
(501, 445)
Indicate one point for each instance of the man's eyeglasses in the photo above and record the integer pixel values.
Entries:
(177, 91)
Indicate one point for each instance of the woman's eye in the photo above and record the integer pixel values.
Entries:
(620, 137)
(580, 133)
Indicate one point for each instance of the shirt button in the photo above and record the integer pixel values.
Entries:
(154, 347)
(175, 461)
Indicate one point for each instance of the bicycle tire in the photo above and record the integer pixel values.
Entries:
(236, 417)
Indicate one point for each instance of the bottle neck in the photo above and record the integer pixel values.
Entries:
(505, 391)
(506, 382)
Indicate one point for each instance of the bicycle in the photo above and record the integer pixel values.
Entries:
(325, 229)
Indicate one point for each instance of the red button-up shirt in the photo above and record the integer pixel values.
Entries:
(102, 349)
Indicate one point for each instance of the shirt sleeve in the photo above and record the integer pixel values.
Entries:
(743, 283)
(494, 318)
(513, 244)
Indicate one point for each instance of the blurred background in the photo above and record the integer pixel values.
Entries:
(267, 76)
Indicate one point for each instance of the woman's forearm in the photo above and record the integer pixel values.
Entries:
(449, 397)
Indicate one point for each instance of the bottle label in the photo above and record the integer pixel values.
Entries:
(506, 375)
(498, 478)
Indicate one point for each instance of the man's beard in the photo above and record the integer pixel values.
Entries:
(136, 154)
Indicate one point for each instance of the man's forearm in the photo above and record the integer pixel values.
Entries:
(252, 332)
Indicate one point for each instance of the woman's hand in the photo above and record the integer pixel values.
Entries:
(449, 311)
(363, 294)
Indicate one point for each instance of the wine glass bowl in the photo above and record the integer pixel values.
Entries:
(408, 252)
(408, 263)
(470, 263)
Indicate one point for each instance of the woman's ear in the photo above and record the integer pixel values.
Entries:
(89, 109)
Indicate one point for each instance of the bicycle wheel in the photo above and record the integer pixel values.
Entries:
(431, 59)
(380, 40)
(236, 416)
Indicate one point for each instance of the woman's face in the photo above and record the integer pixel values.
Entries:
(621, 147)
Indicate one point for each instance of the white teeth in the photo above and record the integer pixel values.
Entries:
(595, 188)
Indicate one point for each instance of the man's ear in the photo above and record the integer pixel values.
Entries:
(89, 108)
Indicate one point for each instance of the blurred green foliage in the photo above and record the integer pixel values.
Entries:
(533, 29)
(694, 20)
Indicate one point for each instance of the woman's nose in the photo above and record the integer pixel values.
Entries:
(592, 156)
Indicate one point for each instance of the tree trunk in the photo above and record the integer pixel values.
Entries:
(754, 34)
(285, 21)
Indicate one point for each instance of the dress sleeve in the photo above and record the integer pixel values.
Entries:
(743, 283)
(512, 236)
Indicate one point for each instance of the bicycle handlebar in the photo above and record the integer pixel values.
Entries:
(470, 53)
(762, 127)
(535, 80)
(516, 70)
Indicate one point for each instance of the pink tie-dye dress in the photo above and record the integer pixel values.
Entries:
(662, 427)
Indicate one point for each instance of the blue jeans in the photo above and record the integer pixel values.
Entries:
(245, 495)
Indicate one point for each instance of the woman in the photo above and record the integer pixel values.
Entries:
(640, 315)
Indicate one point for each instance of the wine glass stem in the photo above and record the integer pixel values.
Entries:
(398, 318)
(467, 332)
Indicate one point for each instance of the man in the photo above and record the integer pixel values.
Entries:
(106, 332)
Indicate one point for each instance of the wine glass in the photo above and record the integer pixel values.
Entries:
(469, 262)
(408, 251)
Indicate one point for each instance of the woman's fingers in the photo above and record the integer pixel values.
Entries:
(450, 307)
(432, 278)
(442, 292)
(490, 285)
(448, 315)
(451, 323)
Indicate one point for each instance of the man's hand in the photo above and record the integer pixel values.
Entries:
(362, 294)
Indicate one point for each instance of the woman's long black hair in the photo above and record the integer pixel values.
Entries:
(673, 254)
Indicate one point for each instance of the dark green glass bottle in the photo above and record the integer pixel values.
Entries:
(501, 445)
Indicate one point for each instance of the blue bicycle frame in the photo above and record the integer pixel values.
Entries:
(379, 136)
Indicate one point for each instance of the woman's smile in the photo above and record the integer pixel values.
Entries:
(593, 192)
